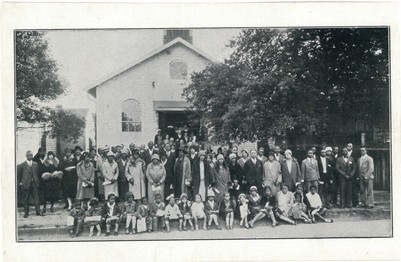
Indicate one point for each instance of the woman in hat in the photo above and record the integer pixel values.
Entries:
(156, 174)
(70, 178)
(182, 172)
(122, 166)
(272, 174)
(201, 176)
(51, 184)
(135, 174)
(222, 178)
(110, 175)
(86, 178)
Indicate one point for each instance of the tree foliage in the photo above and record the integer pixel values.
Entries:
(299, 81)
(37, 78)
(65, 125)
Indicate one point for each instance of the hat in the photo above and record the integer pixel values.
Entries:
(155, 156)
(271, 153)
(135, 151)
(220, 156)
(85, 154)
(105, 149)
(183, 195)
(329, 148)
(241, 195)
(232, 155)
(129, 194)
(110, 153)
(210, 193)
(202, 153)
(125, 150)
(110, 195)
(182, 148)
(253, 188)
(78, 148)
(288, 151)
(170, 197)
(93, 200)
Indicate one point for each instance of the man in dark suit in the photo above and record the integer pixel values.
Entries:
(147, 153)
(168, 164)
(253, 170)
(355, 181)
(346, 167)
(277, 154)
(28, 182)
(291, 172)
(326, 177)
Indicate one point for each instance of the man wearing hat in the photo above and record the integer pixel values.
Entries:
(122, 166)
(110, 173)
(158, 138)
(182, 173)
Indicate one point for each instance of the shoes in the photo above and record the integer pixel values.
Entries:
(98, 233)
(52, 209)
(25, 215)
(90, 234)
(76, 234)
(196, 227)
(115, 233)
(149, 231)
(39, 214)
(185, 229)
(44, 210)
(219, 228)
(107, 234)
(127, 231)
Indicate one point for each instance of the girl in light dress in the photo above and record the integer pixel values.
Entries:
(198, 212)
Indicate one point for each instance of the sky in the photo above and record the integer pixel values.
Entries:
(85, 56)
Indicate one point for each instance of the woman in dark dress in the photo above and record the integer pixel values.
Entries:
(70, 178)
(51, 180)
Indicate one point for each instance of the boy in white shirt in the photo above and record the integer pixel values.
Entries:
(315, 206)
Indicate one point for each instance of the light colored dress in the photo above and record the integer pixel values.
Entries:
(110, 171)
(272, 174)
(285, 202)
(222, 177)
(88, 172)
(136, 173)
(172, 212)
(156, 174)
(198, 209)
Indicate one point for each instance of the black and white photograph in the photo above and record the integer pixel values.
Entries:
(190, 134)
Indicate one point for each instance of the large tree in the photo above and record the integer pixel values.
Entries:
(38, 82)
(298, 81)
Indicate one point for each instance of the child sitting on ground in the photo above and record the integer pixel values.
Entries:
(243, 209)
(157, 213)
(172, 212)
(76, 219)
(129, 213)
(315, 205)
(111, 214)
(94, 216)
(299, 207)
(227, 210)
(198, 211)
(143, 213)
(212, 210)
(185, 210)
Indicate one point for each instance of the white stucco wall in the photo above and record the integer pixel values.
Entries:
(136, 83)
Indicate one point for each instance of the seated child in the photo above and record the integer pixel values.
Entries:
(111, 214)
(198, 211)
(157, 213)
(212, 210)
(129, 213)
(285, 200)
(254, 204)
(94, 216)
(172, 212)
(315, 205)
(299, 206)
(76, 219)
(185, 210)
(143, 213)
(243, 209)
(268, 207)
(227, 210)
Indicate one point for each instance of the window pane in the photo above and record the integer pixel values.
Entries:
(131, 111)
(125, 127)
(178, 70)
(138, 127)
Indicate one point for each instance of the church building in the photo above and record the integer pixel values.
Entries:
(146, 95)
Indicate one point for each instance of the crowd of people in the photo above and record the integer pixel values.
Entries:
(148, 188)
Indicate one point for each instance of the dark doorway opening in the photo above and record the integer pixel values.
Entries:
(180, 120)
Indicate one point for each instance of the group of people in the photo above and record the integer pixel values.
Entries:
(197, 184)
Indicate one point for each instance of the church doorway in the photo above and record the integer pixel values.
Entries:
(181, 121)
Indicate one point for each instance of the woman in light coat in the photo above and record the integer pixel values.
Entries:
(272, 174)
(135, 174)
(156, 174)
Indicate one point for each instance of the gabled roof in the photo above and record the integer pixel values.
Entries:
(92, 88)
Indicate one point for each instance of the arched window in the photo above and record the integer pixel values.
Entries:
(178, 69)
(131, 116)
